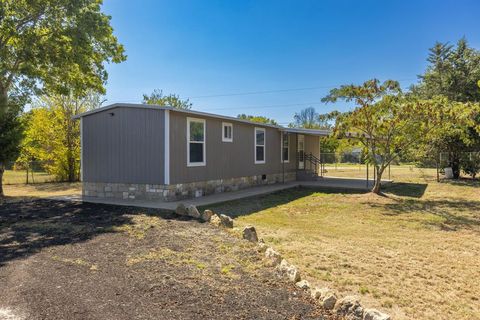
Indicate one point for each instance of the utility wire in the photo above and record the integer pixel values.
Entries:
(274, 91)
(261, 92)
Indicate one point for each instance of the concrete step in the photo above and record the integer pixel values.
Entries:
(306, 175)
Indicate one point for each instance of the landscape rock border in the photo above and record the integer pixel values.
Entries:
(347, 307)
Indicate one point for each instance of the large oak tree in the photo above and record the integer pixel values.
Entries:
(56, 46)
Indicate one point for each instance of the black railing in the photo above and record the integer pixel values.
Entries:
(312, 162)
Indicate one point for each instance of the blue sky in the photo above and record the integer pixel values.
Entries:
(209, 50)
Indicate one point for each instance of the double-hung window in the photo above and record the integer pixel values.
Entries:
(196, 142)
(227, 132)
(259, 145)
(285, 157)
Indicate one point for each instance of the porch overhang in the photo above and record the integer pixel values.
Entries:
(312, 132)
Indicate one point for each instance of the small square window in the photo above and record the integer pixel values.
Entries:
(227, 132)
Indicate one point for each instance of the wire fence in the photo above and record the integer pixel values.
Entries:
(353, 165)
(345, 164)
(33, 172)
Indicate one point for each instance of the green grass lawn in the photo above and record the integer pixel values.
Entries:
(413, 253)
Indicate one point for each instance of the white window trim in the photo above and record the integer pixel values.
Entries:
(227, 124)
(264, 145)
(166, 173)
(197, 164)
(281, 148)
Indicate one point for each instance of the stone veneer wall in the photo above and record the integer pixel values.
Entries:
(173, 192)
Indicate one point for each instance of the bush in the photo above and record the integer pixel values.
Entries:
(470, 164)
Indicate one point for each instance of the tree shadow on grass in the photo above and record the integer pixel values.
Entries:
(247, 206)
(462, 182)
(454, 214)
(26, 227)
(403, 189)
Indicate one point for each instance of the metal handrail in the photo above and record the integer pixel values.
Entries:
(313, 161)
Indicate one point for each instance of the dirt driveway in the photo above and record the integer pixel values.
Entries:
(62, 260)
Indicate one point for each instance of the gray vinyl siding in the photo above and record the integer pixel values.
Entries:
(224, 159)
(127, 147)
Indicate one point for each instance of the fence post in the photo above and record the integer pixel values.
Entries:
(437, 165)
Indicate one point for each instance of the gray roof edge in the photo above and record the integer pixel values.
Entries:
(158, 107)
(318, 132)
(204, 114)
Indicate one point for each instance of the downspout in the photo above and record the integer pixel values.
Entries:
(81, 149)
(283, 158)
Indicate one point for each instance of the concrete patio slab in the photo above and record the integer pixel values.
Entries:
(325, 182)
(342, 183)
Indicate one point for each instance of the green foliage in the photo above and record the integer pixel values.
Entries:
(53, 137)
(11, 131)
(52, 46)
(55, 45)
(171, 100)
(258, 119)
(452, 72)
(470, 163)
(387, 123)
(329, 144)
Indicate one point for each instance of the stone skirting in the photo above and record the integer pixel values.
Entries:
(174, 192)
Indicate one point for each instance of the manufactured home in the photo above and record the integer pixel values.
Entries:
(136, 151)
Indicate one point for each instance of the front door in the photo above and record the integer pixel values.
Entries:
(301, 151)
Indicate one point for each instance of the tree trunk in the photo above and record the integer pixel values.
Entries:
(3, 100)
(71, 169)
(378, 181)
(455, 165)
(2, 170)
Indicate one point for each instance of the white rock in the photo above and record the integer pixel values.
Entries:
(193, 212)
(303, 284)
(329, 300)
(221, 220)
(316, 293)
(273, 257)
(289, 271)
(350, 308)
(227, 222)
(207, 215)
(215, 220)
(373, 314)
(250, 234)
(261, 247)
(325, 296)
(181, 210)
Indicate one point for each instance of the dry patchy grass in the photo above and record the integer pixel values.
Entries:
(20, 177)
(412, 253)
(51, 189)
